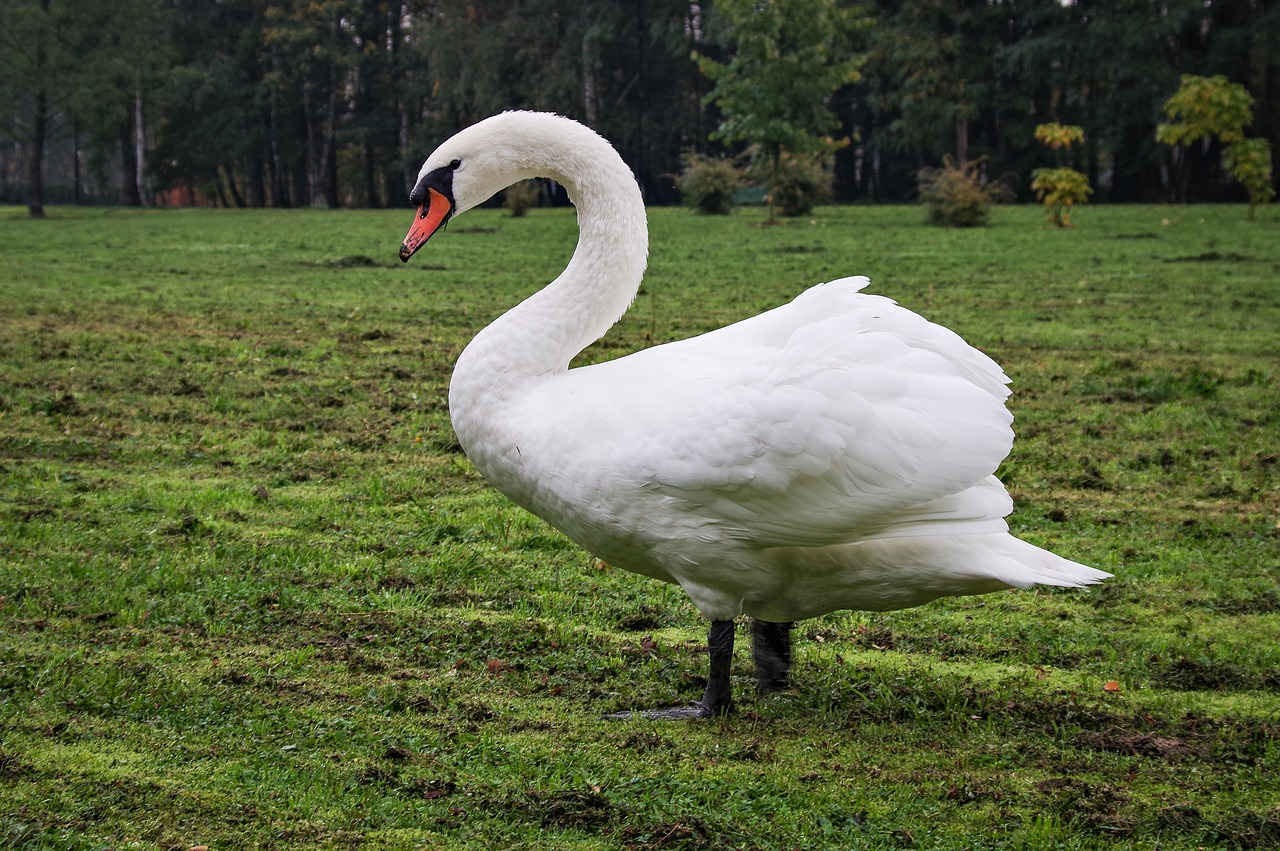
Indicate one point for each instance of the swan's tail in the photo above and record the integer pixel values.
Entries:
(1026, 565)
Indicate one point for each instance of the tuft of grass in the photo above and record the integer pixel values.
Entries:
(253, 595)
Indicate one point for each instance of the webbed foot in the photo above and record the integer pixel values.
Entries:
(692, 712)
(718, 698)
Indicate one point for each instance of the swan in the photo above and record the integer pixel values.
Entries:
(833, 453)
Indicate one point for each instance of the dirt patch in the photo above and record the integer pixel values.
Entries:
(571, 808)
(1264, 603)
(691, 835)
(1241, 828)
(1249, 829)
(1090, 478)
(647, 617)
(427, 788)
(396, 582)
(1212, 257)
(1097, 806)
(12, 768)
(1188, 674)
(352, 261)
(647, 740)
(1137, 744)
(65, 405)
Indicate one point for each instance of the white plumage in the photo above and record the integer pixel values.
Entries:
(834, 453)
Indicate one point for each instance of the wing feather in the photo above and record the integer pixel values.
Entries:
(823, 421)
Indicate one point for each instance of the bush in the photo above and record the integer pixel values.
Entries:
(957, 196)
(519, 197)
(799, 183)
(1060, 189)
(708, 183)
(1249, 162)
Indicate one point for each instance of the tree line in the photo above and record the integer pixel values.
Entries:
(248, 103)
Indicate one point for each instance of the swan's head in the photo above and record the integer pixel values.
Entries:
(482, 160)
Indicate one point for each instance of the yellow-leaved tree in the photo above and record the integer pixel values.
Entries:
(1216, 108)
(1062, 187)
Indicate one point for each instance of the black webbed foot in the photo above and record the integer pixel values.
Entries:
(692, 712)
(716, 700)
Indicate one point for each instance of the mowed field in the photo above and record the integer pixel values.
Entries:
(252, 595)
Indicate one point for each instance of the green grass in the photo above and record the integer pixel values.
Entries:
(254, 597)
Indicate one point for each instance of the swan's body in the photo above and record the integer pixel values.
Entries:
(833, 453)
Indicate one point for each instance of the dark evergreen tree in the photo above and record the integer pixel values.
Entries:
(335, 102)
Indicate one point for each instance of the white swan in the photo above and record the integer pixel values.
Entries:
(833, 453)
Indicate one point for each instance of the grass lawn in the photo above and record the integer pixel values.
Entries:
(253, 596)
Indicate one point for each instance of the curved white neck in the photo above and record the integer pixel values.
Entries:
(537, 338)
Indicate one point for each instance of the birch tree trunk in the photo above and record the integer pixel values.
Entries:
(139, 148)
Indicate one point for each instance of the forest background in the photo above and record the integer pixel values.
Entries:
(335, 103)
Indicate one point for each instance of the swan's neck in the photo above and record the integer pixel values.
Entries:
(536, 339)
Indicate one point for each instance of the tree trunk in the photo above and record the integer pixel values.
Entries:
(227, 175)
(35, 197)
(139, 148)
(962, 143)
(366, 105)
(255, 180)
(775, 165)
(313, 148)
(40, 126)
(328, 154)
(77, 190)
(128, 166)
(322, 173)
(299, 179)
(408, 170)
(217, 186)
(589, 96)
(281, 172)
(370, 174)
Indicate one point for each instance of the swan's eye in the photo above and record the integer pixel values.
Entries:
(455, 165)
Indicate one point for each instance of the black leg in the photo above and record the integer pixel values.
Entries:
(717, 699)
(771, 649)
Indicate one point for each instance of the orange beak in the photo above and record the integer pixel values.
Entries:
(431, 217)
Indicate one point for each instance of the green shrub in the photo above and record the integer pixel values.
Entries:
(1059, 189)
(519, 197)
(708, 183)
(1249, 162)
(957, 196)
(799, 183)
